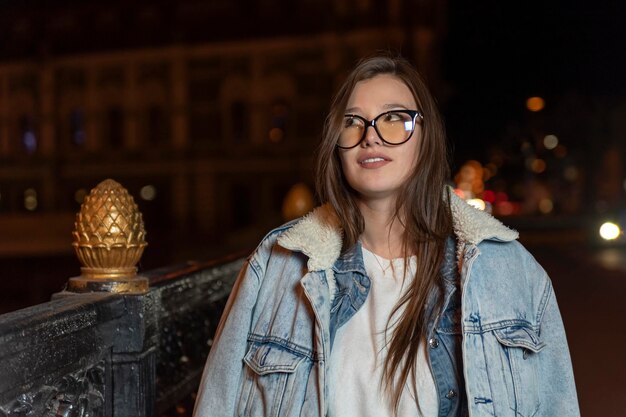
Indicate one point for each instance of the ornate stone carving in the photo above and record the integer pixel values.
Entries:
(109, 239)
(79, 394)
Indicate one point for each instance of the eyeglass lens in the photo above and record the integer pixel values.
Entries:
(394, 127)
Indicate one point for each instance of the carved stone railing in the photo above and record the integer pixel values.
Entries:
(114, 343)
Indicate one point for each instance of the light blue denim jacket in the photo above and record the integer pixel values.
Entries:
(270, 353)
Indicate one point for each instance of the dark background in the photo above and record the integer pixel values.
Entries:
(499, 53)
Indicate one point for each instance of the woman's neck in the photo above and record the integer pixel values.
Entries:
(383, 231)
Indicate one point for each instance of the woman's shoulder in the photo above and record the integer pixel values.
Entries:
(264, 247)
(511, 252)
(510, 267)
(507, 283)
(316, 235)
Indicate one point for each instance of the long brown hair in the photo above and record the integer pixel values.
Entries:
(422, 209)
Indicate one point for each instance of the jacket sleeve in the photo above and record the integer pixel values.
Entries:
(558, 393)
(217, 395)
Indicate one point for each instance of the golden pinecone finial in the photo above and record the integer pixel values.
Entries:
(109, 239)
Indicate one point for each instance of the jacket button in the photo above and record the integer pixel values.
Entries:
(451, 394)
(433, 343)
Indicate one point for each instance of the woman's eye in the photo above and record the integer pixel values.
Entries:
(395, 117)
(352, 122)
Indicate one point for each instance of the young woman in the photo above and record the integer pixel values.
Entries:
(394, 297)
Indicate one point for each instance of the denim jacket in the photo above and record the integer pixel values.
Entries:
(270, 353)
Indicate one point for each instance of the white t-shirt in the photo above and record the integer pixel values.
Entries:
(359, 351)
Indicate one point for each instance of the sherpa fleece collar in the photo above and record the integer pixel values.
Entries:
(319, 236)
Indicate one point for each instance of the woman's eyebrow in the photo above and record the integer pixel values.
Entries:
(389, 106)
(395, 106)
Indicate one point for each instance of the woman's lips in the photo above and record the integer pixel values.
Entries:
(372, 162)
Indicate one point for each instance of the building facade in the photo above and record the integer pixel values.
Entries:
(208, 136)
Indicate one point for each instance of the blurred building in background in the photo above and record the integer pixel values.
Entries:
(209, 112)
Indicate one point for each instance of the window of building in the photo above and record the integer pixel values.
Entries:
(72, 193)
(2, 138)
(315, 85)
(242, 206)
(157, 126)
(205, 122)
(28, 138)
(279, 118)
(9, 198)
(205, 125)
(77, 127)
(239, 119)
(115, 127)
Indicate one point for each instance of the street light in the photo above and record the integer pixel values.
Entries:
(609, 231)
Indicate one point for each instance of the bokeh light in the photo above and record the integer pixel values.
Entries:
(550, 142)
(505, 208)
(148, 192)
(469, 179)
(477, 203)
(537, 165)
(79, 195)
(489, 196)
(276, 134)
(610, 231)
(546, 205)
(571, 173)
(560, 151)
(535, 104)
(30, 199)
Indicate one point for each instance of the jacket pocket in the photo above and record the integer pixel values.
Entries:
(271, 376)
(520, 337)
(518, 347)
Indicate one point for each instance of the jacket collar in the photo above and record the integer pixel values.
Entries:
(472, 225)
(319, 235)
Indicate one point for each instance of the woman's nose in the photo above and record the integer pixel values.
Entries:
(371, 137)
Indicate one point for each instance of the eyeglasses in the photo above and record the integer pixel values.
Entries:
(394, 127)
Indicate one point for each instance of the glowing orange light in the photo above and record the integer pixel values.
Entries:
(535, 104)
(470, 179)
(546, 205)
(560, 151)
(276, 134)
(538, 165)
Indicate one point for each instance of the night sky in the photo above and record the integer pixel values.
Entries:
(498, 53)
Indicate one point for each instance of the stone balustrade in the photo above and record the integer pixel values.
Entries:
(114, 343)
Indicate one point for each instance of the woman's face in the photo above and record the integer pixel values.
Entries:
(374, 169)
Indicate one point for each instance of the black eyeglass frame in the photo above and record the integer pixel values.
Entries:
(372, 123)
